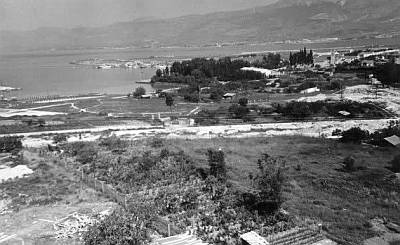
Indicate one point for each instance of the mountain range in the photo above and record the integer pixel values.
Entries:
(278, 21)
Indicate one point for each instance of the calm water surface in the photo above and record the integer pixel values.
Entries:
(50, 72)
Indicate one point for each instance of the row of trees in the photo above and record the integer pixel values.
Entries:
(301, 57)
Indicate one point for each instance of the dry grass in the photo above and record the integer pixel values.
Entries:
(317, 187)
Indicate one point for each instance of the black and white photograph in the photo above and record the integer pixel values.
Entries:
(199, 122)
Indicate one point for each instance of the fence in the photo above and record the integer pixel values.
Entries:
(100, 186)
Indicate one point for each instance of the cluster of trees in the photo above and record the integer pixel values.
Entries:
(224, 69)
(138, 92)
(357, 135)
(388, 73)
(301, 57)
(270, 61)
(240, 110)
(300, 110)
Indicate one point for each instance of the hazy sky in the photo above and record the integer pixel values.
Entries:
(31, 14)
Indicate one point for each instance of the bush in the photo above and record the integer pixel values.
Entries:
(84, 152)
(10, 144)
(122, 227)
(349, 163)
(206, 117)
(239, 112)
(395, 163)
(113, 143)
(139, 92)
(216, 93)
(191, 97)
(243, 102)
(354, 135)
(59, 138)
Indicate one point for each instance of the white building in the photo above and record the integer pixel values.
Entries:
(266, 72)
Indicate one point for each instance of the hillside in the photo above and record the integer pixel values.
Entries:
(284, 20)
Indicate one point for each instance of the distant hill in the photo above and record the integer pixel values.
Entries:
(284, 20)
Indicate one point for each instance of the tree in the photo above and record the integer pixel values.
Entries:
(159, 73)
(354, 135)
(269, 182)
(41, 122)
(139, 92)
(216, 161)
(349, 163)
(169, 101)
(243, 102)
(216, 93)
(239, 112)
(396, 164)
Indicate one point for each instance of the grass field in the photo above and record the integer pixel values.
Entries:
(317, 187)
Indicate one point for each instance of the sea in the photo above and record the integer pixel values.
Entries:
(51, 72)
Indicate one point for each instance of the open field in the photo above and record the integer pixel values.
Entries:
(316, 187)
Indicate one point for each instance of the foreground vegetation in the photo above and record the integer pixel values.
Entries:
(241, 186)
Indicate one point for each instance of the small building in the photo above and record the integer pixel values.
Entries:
(252, 238)
(229, 95)
(146, 96)
(310, 90)
(367, 63)
(393, 140)
(344, 113)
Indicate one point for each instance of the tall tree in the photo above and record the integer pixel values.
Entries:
(169, 101)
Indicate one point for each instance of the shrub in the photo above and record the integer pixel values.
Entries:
(83, 151)
(349, 163)
(239, 111)
(243, 102)
(59, 138)
(191, 97)
(206, 117)
(10, 144)
(122, 227)
(395, 163)
(156, 143)
(112, 143)
(216, 93)
(295, 109)
(354, 135)
(139, 92)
